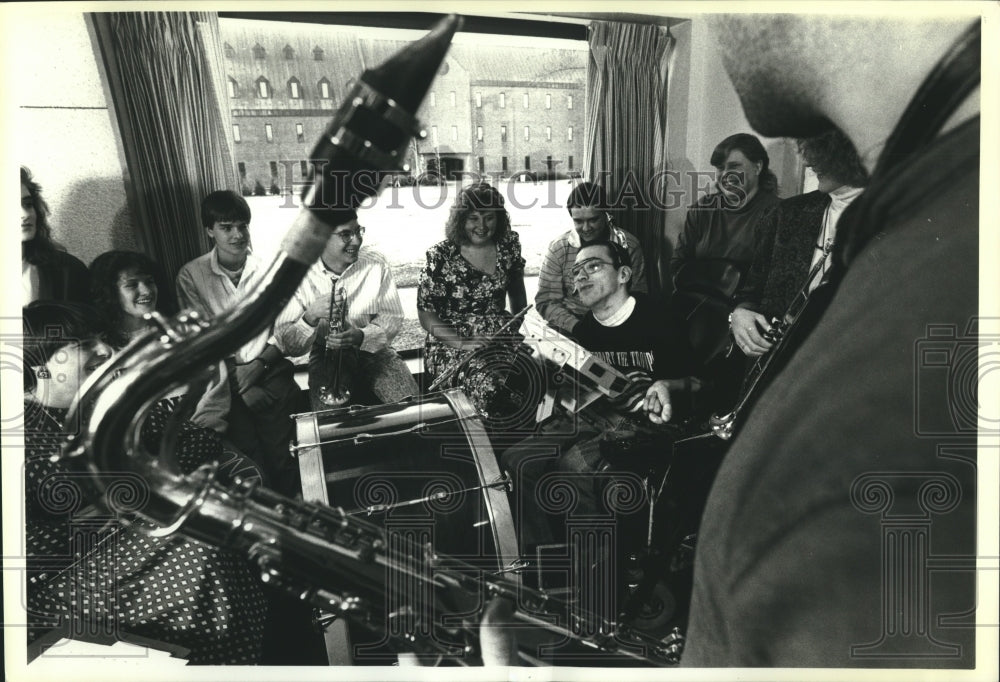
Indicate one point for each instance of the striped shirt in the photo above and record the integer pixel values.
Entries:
(556, 298)
(205, 287)
(371, 299)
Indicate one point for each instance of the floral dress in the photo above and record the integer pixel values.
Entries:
(474, 303)
(93, 577)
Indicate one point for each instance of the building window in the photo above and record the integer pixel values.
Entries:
(303, 169)
(274, 168)
(259, 52)
(527, 163)
(479, 133)
(268, 132)
(570, 162)
(294, 89)
(434, 135)
(231, 85)
(228, 49)
(527, 133)
(548, 101)
(503, 132)
(569, 134)
(318, 53)
(503, 101)
(236, 133)
(548, 163)
(288, 52)
(569, 101)
(434, 100)
(503, 163)
(525, 100)
(454, 100)
(454, 133)
(548, 133)
(479, 100)
(263, 88)
(242, 168)
(482, 164)
(300, 134)
(324, 89)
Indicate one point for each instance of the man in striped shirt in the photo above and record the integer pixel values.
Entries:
(262, 382)
(372, 317)
(556, 298)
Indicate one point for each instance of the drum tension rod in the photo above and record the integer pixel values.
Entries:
(440, 495)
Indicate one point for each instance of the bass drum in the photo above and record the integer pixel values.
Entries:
(423, 469)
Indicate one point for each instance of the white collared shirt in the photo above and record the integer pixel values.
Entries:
(371, 301)
(840, 199)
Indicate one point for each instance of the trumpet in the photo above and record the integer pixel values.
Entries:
(724, 426)
(336, 392)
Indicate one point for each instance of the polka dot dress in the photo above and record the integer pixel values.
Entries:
(103, 576)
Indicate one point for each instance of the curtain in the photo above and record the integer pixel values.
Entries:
(164, 73)
(626, 127)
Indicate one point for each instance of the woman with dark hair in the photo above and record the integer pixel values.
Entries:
(47, 271)
(126, 286)
(106, 576)
(464, 287)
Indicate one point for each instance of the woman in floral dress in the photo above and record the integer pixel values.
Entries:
(463, 291)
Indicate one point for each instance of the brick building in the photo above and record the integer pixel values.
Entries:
(493, 109)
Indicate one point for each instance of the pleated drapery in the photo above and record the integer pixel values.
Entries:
(163, 76)
(626, 126)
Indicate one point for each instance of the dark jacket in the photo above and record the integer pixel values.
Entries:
(62, 277)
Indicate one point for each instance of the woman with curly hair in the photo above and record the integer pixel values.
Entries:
(47, 271)
(464, 289)
(794, 236)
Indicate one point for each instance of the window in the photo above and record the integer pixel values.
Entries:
(228, 49)
(527, 133)
(569, 101)
(294, 89)
(236, 133)
(525, 100)
(548, 133)
(288, 52)
(324, 88)
(548, 163)
(274, 168)
(242, 169)
(548, 101)
(259, 52)
(482, 164)
(434, 135)
(454, 133)
(570, 162)
(318, 53)
(434, 99)
(503, 163)
(232, 87)
(304, 169)
(263, 88)
(479, 100)
(503, 101)
(479, 133)
(300, 133)
(268, 132)
(503, 132)
(569, 134)
(527, 163)
(454, 100)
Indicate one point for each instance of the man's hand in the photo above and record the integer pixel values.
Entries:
(657, 402)
(317, 310)
(349, 338)
(747, 330)
(247, 375)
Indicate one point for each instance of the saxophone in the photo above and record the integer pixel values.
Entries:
(338, 562)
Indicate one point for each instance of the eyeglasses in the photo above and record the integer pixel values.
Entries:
(348, 235)
(590, 266)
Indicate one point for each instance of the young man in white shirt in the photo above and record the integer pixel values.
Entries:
(373, 315)
(262, 384)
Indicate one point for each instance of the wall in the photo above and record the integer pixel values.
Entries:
(67, 134)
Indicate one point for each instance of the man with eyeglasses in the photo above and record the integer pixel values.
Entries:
(373, 315)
